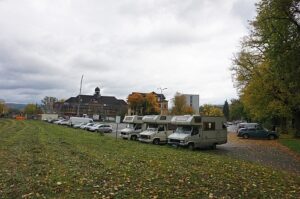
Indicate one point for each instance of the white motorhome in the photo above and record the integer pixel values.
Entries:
(158, 129)
(78, 120)
(195, 131)
(134, 127)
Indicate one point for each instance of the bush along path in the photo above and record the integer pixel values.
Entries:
(44, 160)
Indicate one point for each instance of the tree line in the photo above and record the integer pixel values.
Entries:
(266, 70)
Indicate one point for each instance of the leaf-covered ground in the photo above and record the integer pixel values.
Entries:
(48, 161)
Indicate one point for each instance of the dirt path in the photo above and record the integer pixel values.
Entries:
(266, 152)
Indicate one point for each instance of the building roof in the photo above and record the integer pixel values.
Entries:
(110, 100)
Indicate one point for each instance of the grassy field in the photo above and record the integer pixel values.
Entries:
(44, 160)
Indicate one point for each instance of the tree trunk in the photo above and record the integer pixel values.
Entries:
(297, 123)
(283, 125)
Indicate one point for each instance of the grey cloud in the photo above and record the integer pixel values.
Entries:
(121, 46)
(244, 10)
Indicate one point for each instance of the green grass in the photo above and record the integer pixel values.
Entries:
(44, 160)
(292, 143)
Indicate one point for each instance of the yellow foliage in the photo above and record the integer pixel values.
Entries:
(210, 110)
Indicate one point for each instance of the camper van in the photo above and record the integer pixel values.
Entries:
(158, 128)
(78, 120)
(195, 131)
(133, 128)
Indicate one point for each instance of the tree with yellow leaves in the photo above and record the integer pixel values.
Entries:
(180, 106)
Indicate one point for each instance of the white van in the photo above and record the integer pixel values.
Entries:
(158, 129)
(134, 127)
(49, 117)
(246, 125)
(195, 131)
(78, 120)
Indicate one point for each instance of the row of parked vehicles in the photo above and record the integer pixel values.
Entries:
(84, 123)
(192, 131)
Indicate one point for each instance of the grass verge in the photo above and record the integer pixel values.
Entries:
(291, 143)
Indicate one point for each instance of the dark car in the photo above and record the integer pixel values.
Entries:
(257, 132)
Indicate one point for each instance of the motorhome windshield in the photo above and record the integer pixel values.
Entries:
(152, 127)
(184, 129)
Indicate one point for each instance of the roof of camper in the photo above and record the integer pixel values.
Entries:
(133, 119)
(186, 119)
(194, 119)
(157, 119)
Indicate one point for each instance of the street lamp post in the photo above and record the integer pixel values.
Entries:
(161, 92)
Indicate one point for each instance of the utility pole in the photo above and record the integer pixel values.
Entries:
(161, 92)
(79, 99)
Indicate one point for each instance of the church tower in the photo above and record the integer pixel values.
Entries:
(97, 91)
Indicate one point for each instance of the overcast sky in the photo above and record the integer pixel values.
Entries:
(121, 46)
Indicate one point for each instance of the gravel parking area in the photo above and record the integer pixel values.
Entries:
(266, 152)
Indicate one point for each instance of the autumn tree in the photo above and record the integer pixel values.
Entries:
(143, 104)
(210, 110)
(135, 102)
(32, 109)
(180, 106)
(3, 108)
(237, 110)
(266, 70)
(48, 104)
(151, 104)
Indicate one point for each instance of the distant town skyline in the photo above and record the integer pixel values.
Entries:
(120, 46)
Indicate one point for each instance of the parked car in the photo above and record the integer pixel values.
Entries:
(91, 127)
(64, 122)
(257, 132)
(76, 126)
(86, 125)
(58, 121)
(105, 128)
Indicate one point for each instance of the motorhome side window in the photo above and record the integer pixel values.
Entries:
(138, 127)
(195, 130)
(209, 126)
(161, 128)
(198, 119)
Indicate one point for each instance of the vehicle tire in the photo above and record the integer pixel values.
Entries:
(109, 131)
(245, 136)
(133, 137)
(156, 141)
(214, 146)
(271, 137)
(191, 146)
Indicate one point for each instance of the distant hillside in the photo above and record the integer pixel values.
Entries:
(15, 106)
